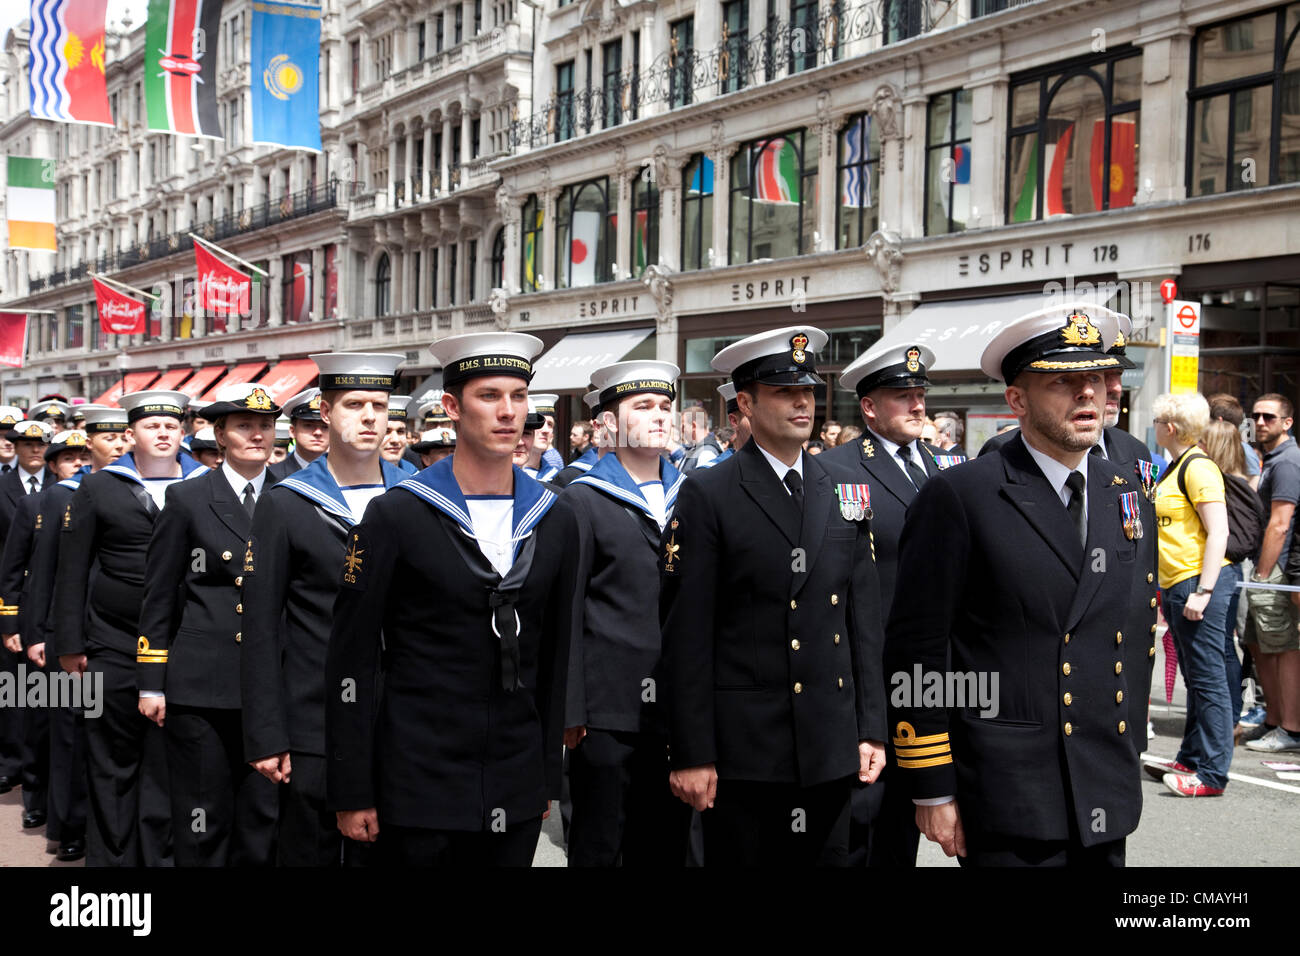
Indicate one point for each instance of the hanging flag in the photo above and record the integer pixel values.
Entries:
(582, 248)
(30, 203)
(1026, 207)
(180, 67)
(118, 313)
(300, 296)
(530, 251)
(13, 338)
(640, 241)
(776, 174)
(286, 61)
(1058, 155)
(961, 164)
(66, 72)
(223, 292)
(857, 153)
(702, 181)
(1123, 159)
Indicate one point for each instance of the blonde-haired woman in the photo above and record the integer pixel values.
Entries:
(1197, 587)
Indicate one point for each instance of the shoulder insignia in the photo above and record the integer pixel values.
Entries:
(869, 448)
(353, 562)
(67, 516)
(38, 522)
(672, 550)
(1117, 480)
(248, 558)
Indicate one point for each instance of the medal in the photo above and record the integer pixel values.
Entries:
(947, 461)
(855, 502)
(1131, 515)
(1148, 472)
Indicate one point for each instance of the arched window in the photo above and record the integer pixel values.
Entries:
(498, 277)
(530, 244)
(584, 235)
(697, 212)
(773, 199)
(383, 285)
(857, 209)
(645, 224)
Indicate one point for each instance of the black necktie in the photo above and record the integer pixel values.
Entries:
(6, 468)
(795, 484)
(1075, 507)
(914, 471)
(250, 499)
(1096, 450)
(31, 485)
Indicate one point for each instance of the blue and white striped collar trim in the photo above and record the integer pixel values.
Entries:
(317, 484)
(125, 466)
(610, 477)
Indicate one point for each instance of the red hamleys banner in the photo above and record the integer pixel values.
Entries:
(223, 291)
(13, 338)
(118, 313)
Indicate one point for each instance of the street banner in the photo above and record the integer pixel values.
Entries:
(223, 291)
(180, 67)
(286, 63)
(30, 203)
(66, 70)
(13, 338)
(118, 313)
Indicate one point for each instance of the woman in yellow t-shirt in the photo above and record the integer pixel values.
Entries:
(1197, 586)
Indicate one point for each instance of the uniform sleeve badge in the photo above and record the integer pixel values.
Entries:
(672, 550)
(67, 517)
(353, 561)
(855, 502)
(248, 558)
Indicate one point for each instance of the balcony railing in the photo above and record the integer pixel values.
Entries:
(782, 48)
(271, 212)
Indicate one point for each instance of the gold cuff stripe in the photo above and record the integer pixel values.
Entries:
(927, 762)
(151, 657)
(921, 741)
(922, 751)
(9, 610)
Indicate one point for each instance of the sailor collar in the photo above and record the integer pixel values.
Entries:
(609, 477)
(317, 485)
(125, 467)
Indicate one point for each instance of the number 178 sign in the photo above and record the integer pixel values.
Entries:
(1184, 320)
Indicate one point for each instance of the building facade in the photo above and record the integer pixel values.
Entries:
(641, 179)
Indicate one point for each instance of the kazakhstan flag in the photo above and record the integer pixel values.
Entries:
(286, 65)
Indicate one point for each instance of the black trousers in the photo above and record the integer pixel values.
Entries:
(882, 829)
(35, 750)
(67, 792)
(468, 849)
(778, 824)
(309, 834)
(624, 813)
(994, 850)
(130, 813)
(223, 811)
(11, 721)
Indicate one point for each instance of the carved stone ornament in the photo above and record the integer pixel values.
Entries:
(658, 279)
(507, 205)
(885, 250)
(884, 109)
(499, 303)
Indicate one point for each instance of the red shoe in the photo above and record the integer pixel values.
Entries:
(1189, 785)
(1158, 768)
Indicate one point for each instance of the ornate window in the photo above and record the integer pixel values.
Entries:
(947, 162)
(383, 285)
(584, 235)
(697, 212)
(530, 245)
(773, 199)
(857, 208)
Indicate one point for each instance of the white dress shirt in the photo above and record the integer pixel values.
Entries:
(891, 450)
(24, 476)
(780, 467)
(238, 482)
(1056, 473)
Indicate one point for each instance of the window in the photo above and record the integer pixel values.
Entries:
(76, 325)
(681, 55)
(633, 92)
(734, 68)
(645, 224)
(296, 288)
(475, 132)
(773, 199)
(478, 25)
(947, 163)
(611, 55)
(379, 168)
(561, 119)
(419, 43)
(1068, 123)
(415, 281)
(472, 270)
(804, 36)
(354, 51)
(460, 24)
(112, 109)
(137, 108)
(1244, 105)
(437, 162)
(433, 278)
(584, 235)
(437, 33)
(902, 19)
(497, 266)
(530, 245)
(383, 51)
(383, 285)
(237, 38)
(857, 208)
(451, 272)
(697, 213)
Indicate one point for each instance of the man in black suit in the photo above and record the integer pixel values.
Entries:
(616, 736)
(187, 667)
(290, 581)
(105, 531)
(311, 436)
(770, 610)
(456, 762)
(1023, 566)
(10, 415)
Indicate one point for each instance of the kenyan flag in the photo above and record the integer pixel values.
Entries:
(180, 66)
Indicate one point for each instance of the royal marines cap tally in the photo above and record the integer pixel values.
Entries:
(31, 431)
(305, 405)
(366, 371)
(486, 353)
(897, 366)
(244, 397)
(779, 357)
(613, 382)
(283, 437)
(140, 405)
(205, 439)
(397, 407)
(49, 408)
(101, 419)
(1072, 337)
(74, 440)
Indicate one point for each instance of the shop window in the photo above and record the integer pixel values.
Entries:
(857, 211)
(947, 162)
(773, 209)
(530, 245)
(645, 224)
(584, 235)
(697, 213)
(1069, 124)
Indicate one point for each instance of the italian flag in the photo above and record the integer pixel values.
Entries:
(180, 67)
(30, 203)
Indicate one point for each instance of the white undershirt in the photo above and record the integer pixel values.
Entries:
(493, 521)
(358, 496)
(157, 488)
(654, 497)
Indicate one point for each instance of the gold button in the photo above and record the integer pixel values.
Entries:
(1150, 578)
(1153, 602)
(793, 605)
(239, 582)
(1153, 628)
(1119, 697)
(837, 638)
(798, 688)
(239, 636)
(226, 555)
(1122, 726)
(839, 681)
(1119, 666)
(1119, 637)
(1065, 668)
(835, 599)
(1068, 698)
(239, 609)
(795, 644)
(1152, 652)
(1067, 638)
(1068, 729)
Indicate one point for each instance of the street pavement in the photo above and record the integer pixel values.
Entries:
(1252, 824)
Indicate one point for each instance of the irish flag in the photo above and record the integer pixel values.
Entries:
(776, 173)
(30, 206)
(180, 67)
(66, 75)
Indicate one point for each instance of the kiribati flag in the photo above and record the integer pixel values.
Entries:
(180, 67)
(67, 61)
(286, 62)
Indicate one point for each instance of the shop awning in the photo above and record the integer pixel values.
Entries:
(569, 363)
(133, 382)
(171, 379)
(246, 372)
(288, 378)
(424, 392)
(201, 380)
(958, 331)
